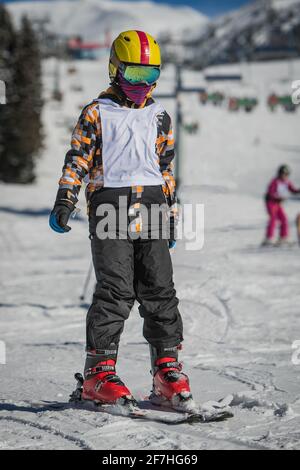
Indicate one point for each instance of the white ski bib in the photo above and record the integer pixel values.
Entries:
(283, 190)
(128, 145)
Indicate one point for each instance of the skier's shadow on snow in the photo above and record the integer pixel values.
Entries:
(42, 212)
(60, 406)
(41, 408)
(27, 212)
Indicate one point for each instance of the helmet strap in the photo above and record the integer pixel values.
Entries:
(114, 59)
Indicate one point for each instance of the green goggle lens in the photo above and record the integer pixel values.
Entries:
(141, 74)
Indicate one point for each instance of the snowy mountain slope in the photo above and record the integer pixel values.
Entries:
(282, 4)
(91, 18)
(240, 304)
(236, 35)
(259, 14)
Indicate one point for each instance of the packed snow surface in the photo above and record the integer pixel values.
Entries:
(240, 303)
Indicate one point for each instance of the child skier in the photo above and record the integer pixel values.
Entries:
(123, 142)
(278, 191)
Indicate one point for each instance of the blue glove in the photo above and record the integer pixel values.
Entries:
(59, 218)
(172, 244)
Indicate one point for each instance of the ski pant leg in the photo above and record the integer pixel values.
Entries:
(114, 294)
(272, 208)
(284, 223)
(156, 294)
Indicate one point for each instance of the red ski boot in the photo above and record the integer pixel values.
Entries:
(171, 386)
(103, 386)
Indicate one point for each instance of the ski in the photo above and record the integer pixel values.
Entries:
(129, 408)
(153, 416)
(203, 417)
(275, 248)
(191, 411)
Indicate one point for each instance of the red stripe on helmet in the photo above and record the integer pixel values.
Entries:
(145, 47)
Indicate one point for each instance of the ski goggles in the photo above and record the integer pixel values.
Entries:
(136, 74)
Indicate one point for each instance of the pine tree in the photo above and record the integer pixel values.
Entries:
(8, 41)
(6, 38)
(20, 118)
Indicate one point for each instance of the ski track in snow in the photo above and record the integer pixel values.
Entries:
(48, 429)
(239, 303)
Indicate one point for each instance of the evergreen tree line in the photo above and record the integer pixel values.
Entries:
(20, 118)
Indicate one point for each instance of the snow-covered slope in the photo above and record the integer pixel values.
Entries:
(238, 34)
(260, 14)
(282, 4)
(240, 304)
(91, 18)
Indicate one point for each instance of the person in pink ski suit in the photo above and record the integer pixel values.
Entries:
(278, 191)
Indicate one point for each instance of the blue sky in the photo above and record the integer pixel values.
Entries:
(208, 7)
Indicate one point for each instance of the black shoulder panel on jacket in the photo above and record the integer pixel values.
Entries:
(166, 122)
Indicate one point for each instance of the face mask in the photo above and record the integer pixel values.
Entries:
(135, 93)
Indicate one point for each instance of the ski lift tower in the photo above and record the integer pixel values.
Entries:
(57, 93)
(179, 89)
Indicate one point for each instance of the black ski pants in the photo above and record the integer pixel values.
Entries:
(128, 270)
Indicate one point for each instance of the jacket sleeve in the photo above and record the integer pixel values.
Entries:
(293, 189)
(272, 193)
(166, 153)
(80, 156)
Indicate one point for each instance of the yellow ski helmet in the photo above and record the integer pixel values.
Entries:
(133, 48)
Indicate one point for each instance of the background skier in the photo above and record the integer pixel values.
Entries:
(278, 191)
(123, 142)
